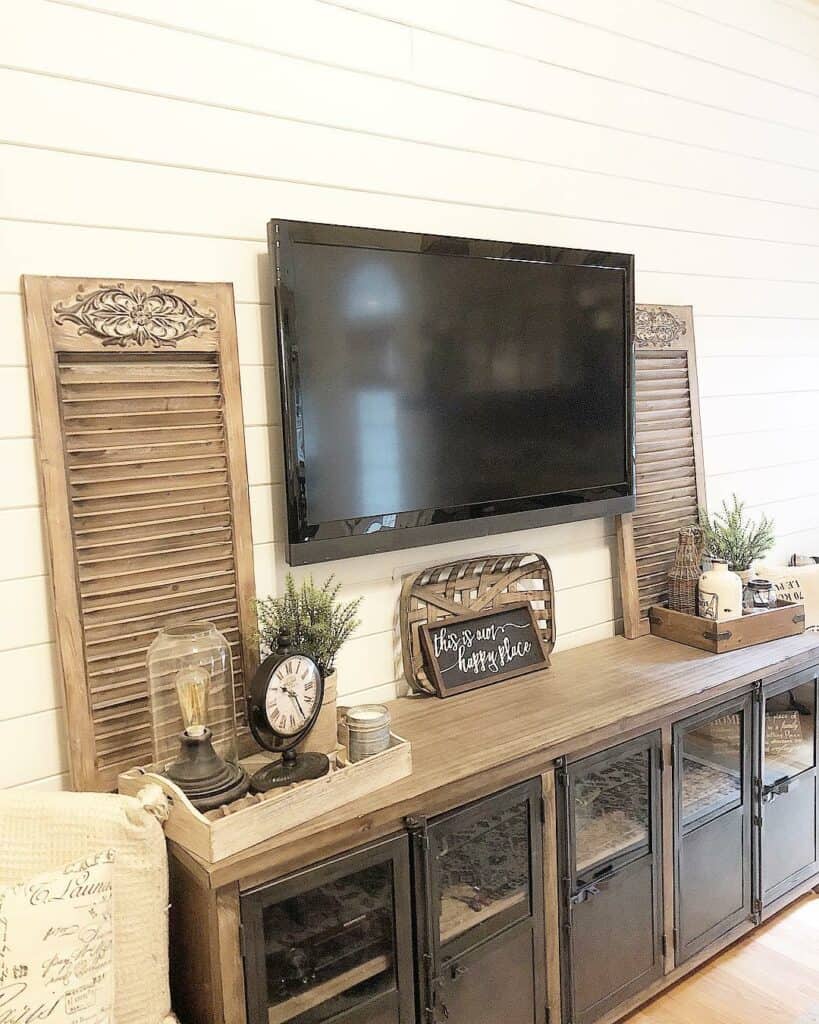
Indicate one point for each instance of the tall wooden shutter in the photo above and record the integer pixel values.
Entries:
(139, 419)
(670, 482)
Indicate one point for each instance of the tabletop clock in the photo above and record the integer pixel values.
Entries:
(283, 706)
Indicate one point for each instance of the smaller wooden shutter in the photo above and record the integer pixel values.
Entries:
(141, 438)
(670, 484)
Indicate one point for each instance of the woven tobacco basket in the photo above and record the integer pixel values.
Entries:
(479, 584)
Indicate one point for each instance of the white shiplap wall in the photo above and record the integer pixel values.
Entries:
(155, 138)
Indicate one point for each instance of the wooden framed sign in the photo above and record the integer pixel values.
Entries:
(468, 651)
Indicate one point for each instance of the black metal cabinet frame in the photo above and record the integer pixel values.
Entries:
(397, 1004)
(737, 817)
(580, 890)
(441, 963)
(778, 810)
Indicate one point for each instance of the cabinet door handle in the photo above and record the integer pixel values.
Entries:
(584, 895)
(778, 788)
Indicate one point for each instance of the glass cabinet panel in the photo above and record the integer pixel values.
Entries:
(790, 723)
(611, 810)
(333, 942)
(483, 869)
(712, 756)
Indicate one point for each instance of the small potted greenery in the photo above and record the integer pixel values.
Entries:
(733, 538)
(318, 623)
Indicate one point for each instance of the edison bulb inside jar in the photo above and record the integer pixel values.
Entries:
(192, 685)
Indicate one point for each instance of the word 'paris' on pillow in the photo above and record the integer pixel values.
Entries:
(57, 945)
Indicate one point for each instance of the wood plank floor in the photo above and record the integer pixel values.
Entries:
(770, 977)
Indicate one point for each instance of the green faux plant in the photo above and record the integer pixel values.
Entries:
(318, 623)
(732, 537)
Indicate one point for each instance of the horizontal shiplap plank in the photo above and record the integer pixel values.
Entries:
(599, 100)
(15, 409)
(784, 26)
(264, 455)
(210, 71)
(589, 634)
(23, 758)
(43, 116)
(654, 20)
(309, 27)
(520, 30)
(759, 449)
(508, 66)
(738, 376)
(750, 413)
(21, 487)
(256, 337)
(13, 347)
(22, 543)
(547, 540)
(25, 613)
(260, 395)
(30, 682)
(671, 29)
(51, 783)
(801, 542)
(759, 337)
(266, 524)
(758, 485)
(231, 210)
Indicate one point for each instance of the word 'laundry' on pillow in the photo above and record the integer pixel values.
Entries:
(56, 945)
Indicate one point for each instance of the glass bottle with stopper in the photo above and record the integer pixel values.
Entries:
(284, 703)
(193, 713)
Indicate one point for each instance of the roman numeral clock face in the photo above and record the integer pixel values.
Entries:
(292, 692)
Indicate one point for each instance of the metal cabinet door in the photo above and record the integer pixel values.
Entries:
(712, 824)
(333, 943)
(479, 911)
(612, 868)
(789, 844)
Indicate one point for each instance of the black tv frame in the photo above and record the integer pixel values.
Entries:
(309, 543)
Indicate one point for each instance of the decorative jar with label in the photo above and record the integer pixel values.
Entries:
(720, 593)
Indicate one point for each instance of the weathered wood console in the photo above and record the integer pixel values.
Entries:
(568, 844)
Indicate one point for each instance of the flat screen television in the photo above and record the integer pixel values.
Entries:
(438, 388)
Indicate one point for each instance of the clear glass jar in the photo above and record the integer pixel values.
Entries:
(190, 679)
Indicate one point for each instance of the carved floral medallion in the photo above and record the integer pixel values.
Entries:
(657, 327)
(122, 317)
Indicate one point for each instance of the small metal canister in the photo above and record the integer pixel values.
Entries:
(368, 731)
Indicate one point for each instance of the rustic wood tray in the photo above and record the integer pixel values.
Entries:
(756, 627)
(473, 585)
(219, 834)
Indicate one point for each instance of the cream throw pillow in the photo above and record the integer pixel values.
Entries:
(56, 945)
(795, 583)
(40, 831)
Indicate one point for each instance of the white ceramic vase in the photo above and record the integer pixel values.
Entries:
(720, 593)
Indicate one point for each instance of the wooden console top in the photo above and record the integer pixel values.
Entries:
(467, 746)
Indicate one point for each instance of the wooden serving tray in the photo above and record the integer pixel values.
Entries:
(221, 833)
(756, 627)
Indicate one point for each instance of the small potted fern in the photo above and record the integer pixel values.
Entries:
(318, 625)
(731, 537)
